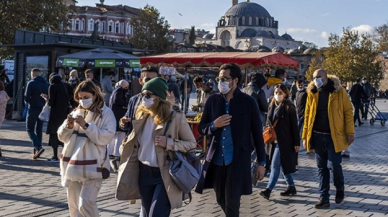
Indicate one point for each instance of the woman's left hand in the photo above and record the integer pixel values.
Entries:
(161, 141)
(297, 148)
(80, 121)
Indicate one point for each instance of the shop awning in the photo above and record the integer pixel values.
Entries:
(216, 59)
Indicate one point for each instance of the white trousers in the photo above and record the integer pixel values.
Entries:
(114, 145)
(82, 197)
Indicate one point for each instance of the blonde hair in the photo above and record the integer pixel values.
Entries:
(90, 87)
(73, 72)
(160, 110)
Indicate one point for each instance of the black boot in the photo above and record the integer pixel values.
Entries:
(291, 190)
(266, 193)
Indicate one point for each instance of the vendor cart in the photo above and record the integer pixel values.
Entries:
(246, 60)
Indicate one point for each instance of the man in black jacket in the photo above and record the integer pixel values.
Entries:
(369, 92)
(254, 90)
(356, 94)
(301, 98)
(232, 120)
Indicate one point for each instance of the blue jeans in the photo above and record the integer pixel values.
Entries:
(34, 126)
(187, 101)
(154, 199)
(324, 152)
(275, 171)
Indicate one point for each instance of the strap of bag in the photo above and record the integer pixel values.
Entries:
(168, 124)
(274, 124)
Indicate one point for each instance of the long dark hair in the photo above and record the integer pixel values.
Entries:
(90, 87)
(1, 86)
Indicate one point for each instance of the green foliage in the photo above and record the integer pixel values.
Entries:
(348, 57)
(150, 31)
(192, 35)
(42, 15)
(315, 63)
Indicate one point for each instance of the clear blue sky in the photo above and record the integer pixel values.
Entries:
(305, 20)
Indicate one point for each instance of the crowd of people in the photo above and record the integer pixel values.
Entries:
(100, 127)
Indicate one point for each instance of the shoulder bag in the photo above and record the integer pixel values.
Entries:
(269, 134)
(184, 169)
(45, 113)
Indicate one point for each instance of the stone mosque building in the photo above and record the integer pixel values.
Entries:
(249, 26)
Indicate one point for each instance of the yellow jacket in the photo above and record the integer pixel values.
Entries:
(340, 114)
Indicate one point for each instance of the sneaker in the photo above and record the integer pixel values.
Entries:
(38, 153)
(53, 160)
(291, 191)
(322, 204)
(339, 197)
(266, 193)
(345, 153)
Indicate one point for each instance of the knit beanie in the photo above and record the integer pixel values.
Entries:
(123, 83)
(157, 86)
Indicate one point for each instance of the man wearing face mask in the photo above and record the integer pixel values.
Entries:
(232, 119)
(357, 94)
(328, 129)
(147, 73)
(369, 92)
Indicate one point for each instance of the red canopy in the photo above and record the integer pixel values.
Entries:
(215, 59)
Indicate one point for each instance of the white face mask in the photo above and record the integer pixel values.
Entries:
(318, 82)
(279, 98)
(224, 87)
(364, 82)
(73, 78)
(301, 89)
(86, 103)
(89, 79)
(147, 102)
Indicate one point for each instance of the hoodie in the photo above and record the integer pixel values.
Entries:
(34, 89)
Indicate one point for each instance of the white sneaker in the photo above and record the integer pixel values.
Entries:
(345, 153)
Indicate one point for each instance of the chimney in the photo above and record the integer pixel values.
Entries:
(248, 0)
(102, 2)
(234, 2)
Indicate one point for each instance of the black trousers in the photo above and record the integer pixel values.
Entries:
(54, 143)
(222, 184)
(154, 199)
(357, 112)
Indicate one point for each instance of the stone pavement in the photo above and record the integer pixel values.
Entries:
(32, 187)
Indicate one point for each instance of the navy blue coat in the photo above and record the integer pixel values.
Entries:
(118, 103)
(246, 133)
(35, 87)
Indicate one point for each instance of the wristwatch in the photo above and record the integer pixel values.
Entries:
(86, 126)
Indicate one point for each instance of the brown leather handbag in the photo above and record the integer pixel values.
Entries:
(269, 134)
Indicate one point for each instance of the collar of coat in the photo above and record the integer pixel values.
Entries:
(333, 83)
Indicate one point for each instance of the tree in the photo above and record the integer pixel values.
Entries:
(310, 45)
(192, 35)
(349, 56)
(150, 31)
(381, 37)
(42, 15)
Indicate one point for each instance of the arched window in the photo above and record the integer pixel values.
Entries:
(128, 29)
(266, 22)
(117, 27)
(77, 28)
(103, 26)
(250, 21)
(110, 26)
(99, 25)
(81, 25)
(243, 21)
(91, 25)
(257, 21)
(225, 38)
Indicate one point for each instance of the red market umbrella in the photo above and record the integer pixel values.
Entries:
(216, 59)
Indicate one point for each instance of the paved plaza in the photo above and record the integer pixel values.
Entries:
(32, 187)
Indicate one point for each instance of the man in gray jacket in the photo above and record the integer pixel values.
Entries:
(254, 89)
(106, 86)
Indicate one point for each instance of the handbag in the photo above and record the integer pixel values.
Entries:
(45, 113)
(269, 134)
(104, 171)
(185, 169)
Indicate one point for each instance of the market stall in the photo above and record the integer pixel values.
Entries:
(246, 60)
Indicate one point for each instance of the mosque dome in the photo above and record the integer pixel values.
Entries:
(287, 36)
(248, 33)
(247, 9)
(208, 36)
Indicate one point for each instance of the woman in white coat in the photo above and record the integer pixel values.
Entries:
(85, 133)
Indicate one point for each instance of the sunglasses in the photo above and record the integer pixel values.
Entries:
(145, 79)
(147, 95)
(223, 79)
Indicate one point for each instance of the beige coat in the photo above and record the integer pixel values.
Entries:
(179, 138)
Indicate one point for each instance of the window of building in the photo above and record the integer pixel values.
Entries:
(91, 25)
(117, 29)
(266, 22)
(103, 26)
(250, 21)
(77, 25)
(110, 26)
(128, 29)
